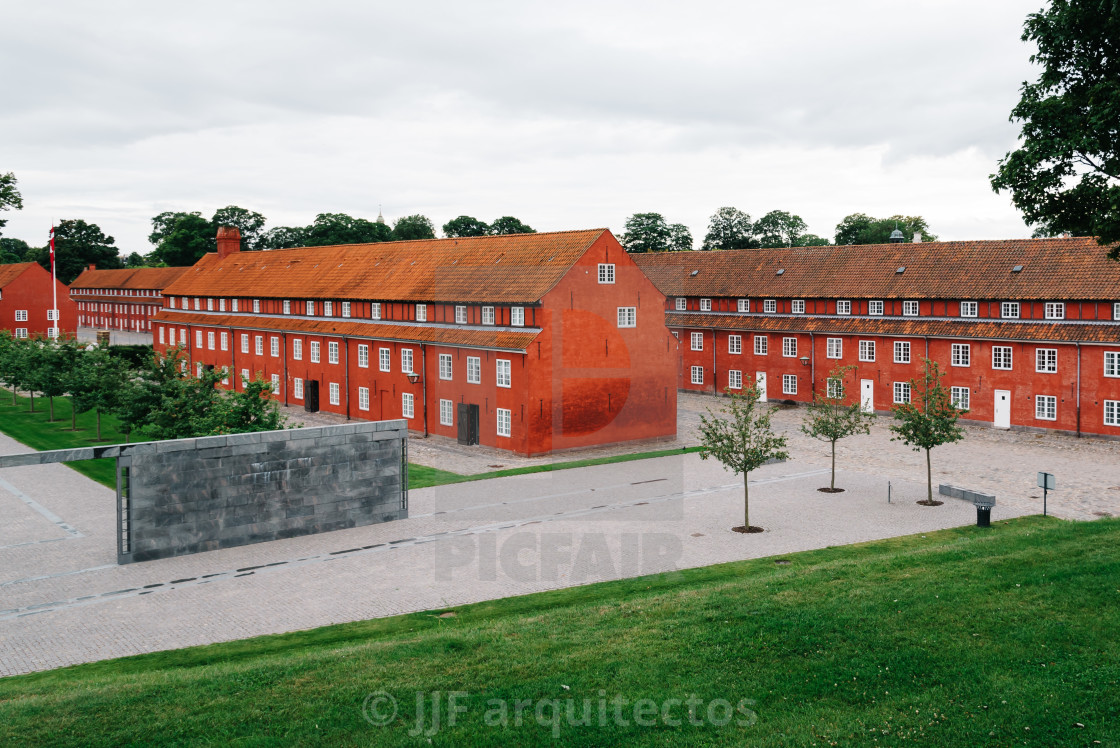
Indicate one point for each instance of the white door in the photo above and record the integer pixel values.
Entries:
(1003, 409)
(760, 383)
(867, 395)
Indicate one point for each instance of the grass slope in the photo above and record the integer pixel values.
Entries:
(965, 637)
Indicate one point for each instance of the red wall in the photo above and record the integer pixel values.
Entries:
(31, 291)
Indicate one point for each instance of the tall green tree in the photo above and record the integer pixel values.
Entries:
(410, 228)
(48, 370)
(134, 260)
(729, 228)
(835, 414)
(1066, 174)
(284, 237)
(99, 382)
(181, 239)
(646, 232)
(329, 229)
(248, 222)
(10, 199)
(779, 228)
(510, 225)
(860, 228)
(465, 226)
(15, 250)
(928, 420)
(742, 439)
(77, 245)
(680, 238)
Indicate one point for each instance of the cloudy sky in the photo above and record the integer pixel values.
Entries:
(567, 115)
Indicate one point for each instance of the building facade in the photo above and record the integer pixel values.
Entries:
(123, 300)
(532, 342)
(26, 298)
(1027, 333)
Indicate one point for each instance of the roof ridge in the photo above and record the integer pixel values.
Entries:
(400, 242)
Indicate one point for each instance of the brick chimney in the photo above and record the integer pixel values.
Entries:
(92, 266)
(229, 241)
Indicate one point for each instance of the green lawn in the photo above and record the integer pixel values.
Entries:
(966, 637)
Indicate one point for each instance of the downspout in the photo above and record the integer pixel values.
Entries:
(715, 374)
(284, 353)
(424, 385)
(233, 358)
(1078, 390)
(346, 373)
(813, 367)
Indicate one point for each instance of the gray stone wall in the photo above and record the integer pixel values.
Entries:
(192, 495)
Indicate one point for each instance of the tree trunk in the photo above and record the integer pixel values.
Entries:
(746, 502)
(833, 486)
(99, 424)
(13, 394)
(73, 415)
(32, 393)
(929, 480)
(50, 400)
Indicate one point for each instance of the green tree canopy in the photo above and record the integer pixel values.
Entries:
(9, 195)
(836, 414)
(780, 229)
(181, 238)
(134, 260)
(812, 240)
(339, 228)
(729, 228)
(465, 226)
(680, 238)
(510, 225)
(1066, 174)
(413, 227)
(284, 237)
(646, 232)
(929, 419)
(77, 245)
(15, 250)
(860, 228)
(248, 222)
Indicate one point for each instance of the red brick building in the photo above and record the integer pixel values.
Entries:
(1027, 332)
(25, 302)
(530, 342)
(124, 299)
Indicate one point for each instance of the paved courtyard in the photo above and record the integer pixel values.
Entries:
(63, 600)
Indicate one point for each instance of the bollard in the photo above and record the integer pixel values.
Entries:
(983, 516)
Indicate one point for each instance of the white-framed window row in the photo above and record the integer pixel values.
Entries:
(789, 384)
(959, 397)
(909, 309)
(505, 419)
(1055, 310)
(834, 348)
(606, 272)
(789, 347)
(697, 341)
(761, 345)
(627, 316)
(961, 355)
(875, 308)
(1046, 407)
(734, 379)
(445, 369)
(314, 348)
(363, 398)
(705, 305)
(1009, 310)
(697, 375)
(970, 309)
(363, 356)
(901, 392)
(446, 413)
(297, 349)
(867, 350)
(734, 344)
(407, 405)
(474, 370)
(504, 372)
(798, 306)
(1001, 357)
(902, 351)
(1046, 360)
(843, 306)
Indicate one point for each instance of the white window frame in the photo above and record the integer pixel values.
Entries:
(309, 308)
(332, 351)
(275, 384)
(408, 405)
(1009, 310)
(960, 397)
(346, 309)
(315, 351)
(1046, 360)
(225, 341)
(1112, 412)
(910, 308)
(460, 315)
(682, 304)
(1046, 407)
(363, 398)
(244, 342)
(328, 308)
(697, 341)
(789, 347)
(697, 375)
(274, 346)
(197, 304)
(211, 340)
(517, 316)
(445, 366)
(1055, 310)
(21, 332)
(761, 345)
(902, 351)
(867, 350)
(901, 392)
(244, 374)
(487, 315)
(998, 354)
(1112, 364)
(961, 355)
(504, 421)
(734, 344)
(384, 359)
(233, 305)
(161, 336)
(798, 306)
(843, 306)
(446, 413)
(770, 306)
(256, 306)
(606, 272)
(743, 306)
(734, 379)
(297, 349)
(1116, 313)
(875, 308)
(297, 388)
(503, 372)
(970, 309)
(421, 312)
(363, 356)
(287, 306)
(198, 339)
(834, 348)
(789, 384)
(474, 370)
(258, 345)
(375, 310)
(627, 316)
(407, 361)
(705, 305)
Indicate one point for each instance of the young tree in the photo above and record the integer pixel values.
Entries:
(742, 440)
(646, 232)
(680, 238)
(252, 409)
(1066, 174)
(928, 420)
(47, 371)
(100, 381)
(834, 415)
(729, 228)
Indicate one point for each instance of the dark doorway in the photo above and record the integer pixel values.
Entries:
(311, 399)
(468, 423)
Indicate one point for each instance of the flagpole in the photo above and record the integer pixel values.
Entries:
(54, 285)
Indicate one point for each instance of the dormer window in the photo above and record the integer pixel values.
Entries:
(375, 313)
(843, 306)
(705, 305)
(287, 306)
(328, 308)
(1009, 310)
(461, 315)
(875, 308)
(1055, 310)
(910, 309)
(799, 306)
(682, 304)
(487, 315)
(309, 308)
(744, 306)
(970, 309)
(770, 306)
(421, 312)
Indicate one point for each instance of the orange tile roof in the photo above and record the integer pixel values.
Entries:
(1058, 269)
(495, 338)
(9, 273)
(138, 278)
(1084, 332)
(502, 269)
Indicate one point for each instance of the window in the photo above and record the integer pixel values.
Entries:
(309, 308)
(697, 341)
(606, 273)
(346, 309)
(901, 392)
(460, 315)
(798, 306)
(221, 305)
(487, 315)
(198, 304)
(761, 344)
(504, 377)
(225, 341)
(244, 374)
(504, 415)
(421, 312)
(51, 315)
(682, 304)
(1001, 357)
(328, 308)
(875, 307)
(959, 397)
(1112, 363)
(225, 375)
(210, 339)
(258, 345)
(197, 370)
(446, 413)
(1112, 412)
(332, 352)
(743, 306)
(735, 344)
(233, 305)
(171, 302)
(383, 359)
(375, 310)
(1116, 310)
(297, 388)
(287, 306)
(734, 380)
(834, 348)
(705, 305)
(445, 366)
(161, 336)
(406, 360)
(770, 306)
(1046, 407)
(198, 338)
(517, 316)
(363, 356)
(274, 346)
(698, 375)
(867, 350)
(406, 405)
(314, 351)
(275, 384)
(789, 347)
(363, 398)
(21, 332)
(910, 308)
(256, 306)
(843, 307)
(209, 305)
(1055, 310)
(297, 349)
(1046, 360)
(474, 370)
(185, 302)
(901, 352)
(334, 393)
(244, 343)
(962, 354)
(789, 384)
(1009, 310)
(835, 388)
(627, 316)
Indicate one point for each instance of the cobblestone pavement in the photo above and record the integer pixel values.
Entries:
(63, 600)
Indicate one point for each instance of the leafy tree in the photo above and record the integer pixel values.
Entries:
(9, 195)
(743, 442)
(284, 237)
(248, 222)
(860, 228)
(77, 245)
(833, 415)
(14, 250)
(729, 228)
(11, 361)
(928, 420)
(252, 409)
(646, 232)
(510, 225)
(812, 240)
(338, 228)
(413, 227)
(47, 371)
(779, 229)
(134, 260)
(181, 238)
(465, 226)
(680, 238)
(98, 382)
(1066, 174)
